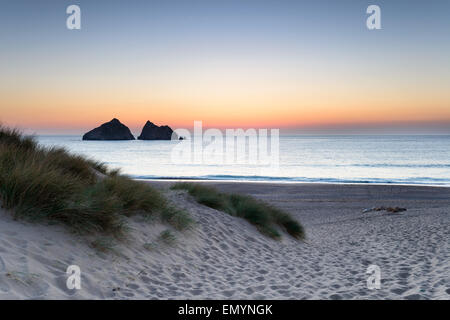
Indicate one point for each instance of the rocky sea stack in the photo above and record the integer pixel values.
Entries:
(113, 130)
(153, 132)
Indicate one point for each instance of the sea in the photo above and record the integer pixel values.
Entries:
(360, 159)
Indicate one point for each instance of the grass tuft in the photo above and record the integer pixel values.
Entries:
(264, 216)
(134, 195)
(177, 218)
(167, 237)
(103, 245)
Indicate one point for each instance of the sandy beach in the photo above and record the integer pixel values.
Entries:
(224, 257)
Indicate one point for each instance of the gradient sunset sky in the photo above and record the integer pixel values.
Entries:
(274, 64)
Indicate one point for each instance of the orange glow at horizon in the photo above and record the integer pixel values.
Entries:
(270, 110)
(269, 101)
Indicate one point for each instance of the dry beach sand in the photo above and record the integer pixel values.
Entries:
(225, 257)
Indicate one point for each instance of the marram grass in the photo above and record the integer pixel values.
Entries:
(51, 184)
(265, 217)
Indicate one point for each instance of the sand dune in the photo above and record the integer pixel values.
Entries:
(226, 258)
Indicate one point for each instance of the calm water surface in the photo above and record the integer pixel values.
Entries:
(342, 159)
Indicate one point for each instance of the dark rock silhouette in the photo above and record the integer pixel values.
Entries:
(113, 130)
(153, 132)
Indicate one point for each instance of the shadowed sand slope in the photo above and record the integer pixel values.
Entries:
(225, 257)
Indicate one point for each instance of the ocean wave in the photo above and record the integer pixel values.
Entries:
(414, 181)
(375, 165)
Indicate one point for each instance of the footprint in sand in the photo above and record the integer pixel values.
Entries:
(10, 233)
(2, 265)
(178, 275)
(20, 243)
(228, 293)
(133, 286)
(249, 291)
(128, 294)
(399, 291)
(196, 292)
(403, 275)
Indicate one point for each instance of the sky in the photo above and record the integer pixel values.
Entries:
(293, 65)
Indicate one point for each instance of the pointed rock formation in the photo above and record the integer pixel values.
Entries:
(153, 132)
(113, 130)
